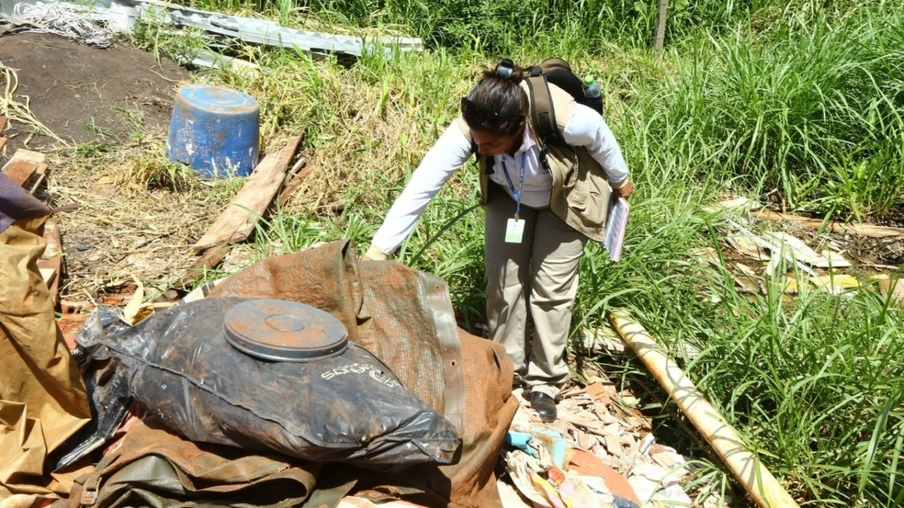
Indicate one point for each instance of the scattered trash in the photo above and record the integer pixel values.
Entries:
(66, 20)
(732, 205)
(794, 247)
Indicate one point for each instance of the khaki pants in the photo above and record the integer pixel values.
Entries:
(539, 278)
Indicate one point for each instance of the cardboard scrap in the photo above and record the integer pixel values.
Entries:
(748, 246)
(835, 284)
(893, 289)
(800, 251)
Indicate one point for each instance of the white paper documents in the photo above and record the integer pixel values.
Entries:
(615, 228)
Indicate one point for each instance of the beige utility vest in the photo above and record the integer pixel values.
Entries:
(580, 190)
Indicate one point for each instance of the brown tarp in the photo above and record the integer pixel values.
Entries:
(405, 318)
(154, 467)
(42, 395)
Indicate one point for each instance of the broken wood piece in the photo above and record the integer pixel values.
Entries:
(792, 246)
(834, 227)
(2, 123)
(23, 164)
(293, 183)
(40, 175)
(2, 143)
(765, 490)
(239, 219)
(208, 261)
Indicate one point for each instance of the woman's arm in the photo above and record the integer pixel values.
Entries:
(585, 127)
(449, 153)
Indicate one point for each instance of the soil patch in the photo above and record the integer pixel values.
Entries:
(85, 94)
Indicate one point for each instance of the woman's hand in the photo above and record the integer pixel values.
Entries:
(624, 191)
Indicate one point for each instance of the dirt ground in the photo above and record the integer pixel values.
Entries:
(123, 97)
(85, 94)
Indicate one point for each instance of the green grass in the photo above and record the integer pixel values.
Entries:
(798, 102)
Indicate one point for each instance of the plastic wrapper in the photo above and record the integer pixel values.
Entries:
(107, 384)
(349, 408)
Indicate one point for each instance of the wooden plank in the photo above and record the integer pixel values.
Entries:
(208, 261)
(244, 212)
(40, 175)
(22, 165)
(2, 123)
(293, 183)
(2, 142)
(834, 227)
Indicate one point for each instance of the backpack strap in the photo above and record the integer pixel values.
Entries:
(543, 111)
(543, 116)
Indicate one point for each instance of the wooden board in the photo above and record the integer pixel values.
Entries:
(2, 123)
(293, 182)
(2, 143)
(40, 175)
(834, 227)
(239, 219)
(208, 261)
(22, 165)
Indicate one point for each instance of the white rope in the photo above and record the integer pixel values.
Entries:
(66, 20)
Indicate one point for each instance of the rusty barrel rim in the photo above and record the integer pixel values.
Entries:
(284, 331)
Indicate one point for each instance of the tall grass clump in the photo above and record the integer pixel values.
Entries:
(813, 384)
(815, 113)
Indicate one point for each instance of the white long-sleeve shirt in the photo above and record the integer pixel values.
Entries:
(585, 127)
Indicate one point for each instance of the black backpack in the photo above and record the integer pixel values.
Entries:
(543, 114)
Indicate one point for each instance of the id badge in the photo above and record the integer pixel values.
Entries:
(514, 231)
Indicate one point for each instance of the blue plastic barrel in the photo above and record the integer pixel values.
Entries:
(215, 130)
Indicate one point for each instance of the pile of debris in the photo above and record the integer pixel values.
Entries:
(157, 393)
(753, 259)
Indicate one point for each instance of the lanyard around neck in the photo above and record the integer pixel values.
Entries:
(516, 193)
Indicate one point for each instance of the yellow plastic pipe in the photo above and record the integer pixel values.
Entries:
(765, 490)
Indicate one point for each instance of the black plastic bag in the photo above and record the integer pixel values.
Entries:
(348, 408)
(107, 383)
